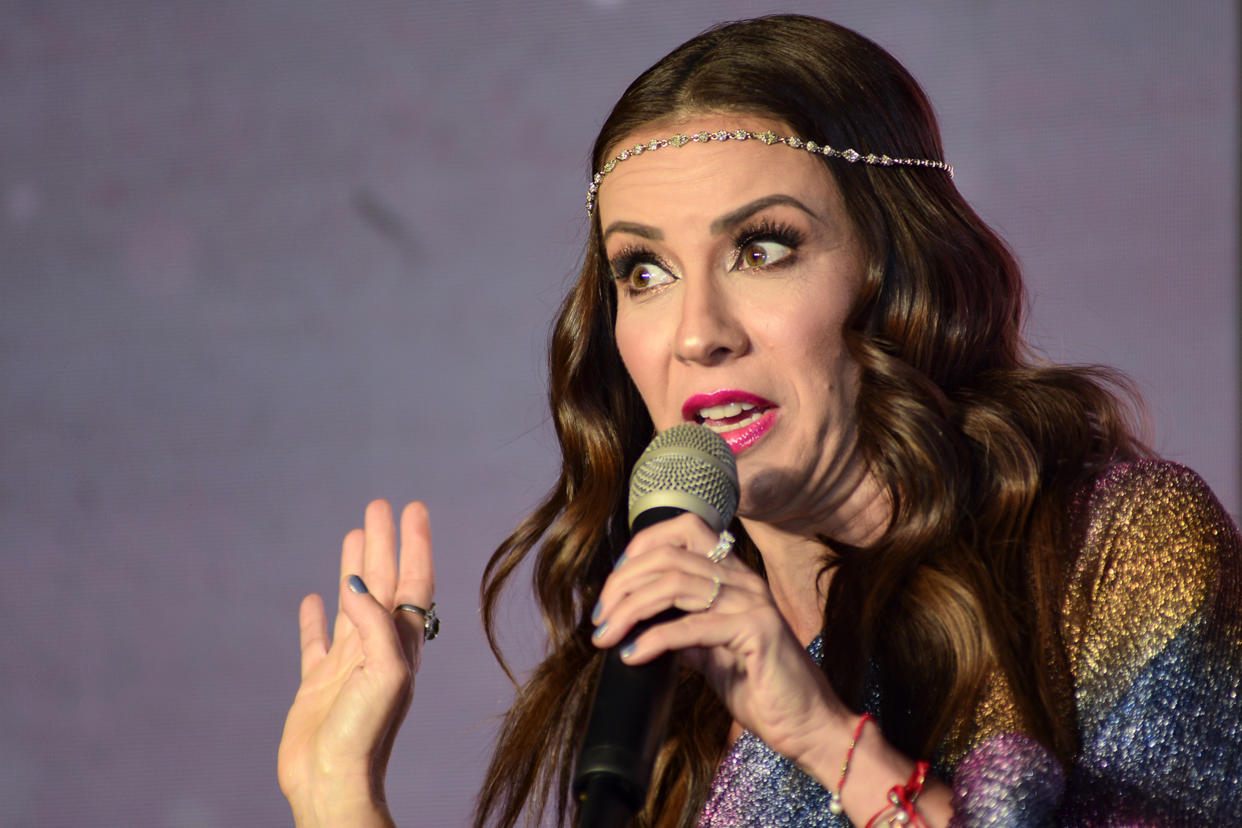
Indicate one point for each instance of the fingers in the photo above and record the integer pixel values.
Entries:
(313, 632)
(353, 554)
(371, 554)
(379, 567)
(666, 566)
(721, 590)
(698, 632)
(678, 544)
(416, 579)
(688, 592)
(686, 531)
(381, 648)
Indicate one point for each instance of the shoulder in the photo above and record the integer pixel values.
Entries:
(1151, 496)
(1150, 528)
(1155, 516)
(1156, 551)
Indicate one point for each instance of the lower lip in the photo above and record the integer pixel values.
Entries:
(745, 437)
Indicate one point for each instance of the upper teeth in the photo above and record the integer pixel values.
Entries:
(719, 412)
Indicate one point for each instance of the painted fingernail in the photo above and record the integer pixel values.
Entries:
(628, 649)
(357, 585)
(597, 612)
(599, 631)
(620, 561)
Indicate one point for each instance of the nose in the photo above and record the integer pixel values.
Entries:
(709, 330)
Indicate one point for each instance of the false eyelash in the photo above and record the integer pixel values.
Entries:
(767, 230)
(627, 257)
(622, 264)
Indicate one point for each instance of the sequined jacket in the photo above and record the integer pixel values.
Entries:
(1152, 627)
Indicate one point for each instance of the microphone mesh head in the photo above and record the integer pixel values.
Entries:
(688, 467)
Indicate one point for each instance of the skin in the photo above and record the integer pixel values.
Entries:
(715, 318)
(717, 300)
(762, 316)
(356, 687)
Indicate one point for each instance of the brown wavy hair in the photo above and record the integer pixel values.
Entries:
(979, 445)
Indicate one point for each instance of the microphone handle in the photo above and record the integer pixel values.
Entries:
(631, 708)
(603, 805)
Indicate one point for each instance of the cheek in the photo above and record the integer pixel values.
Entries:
(640, 357)
(816, 349)
(808, 338)
(627, 343)
(841, 370)
(843, 378)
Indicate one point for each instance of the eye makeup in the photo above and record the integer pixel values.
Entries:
(634, 265)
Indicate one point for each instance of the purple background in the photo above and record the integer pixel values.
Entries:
(262, 262)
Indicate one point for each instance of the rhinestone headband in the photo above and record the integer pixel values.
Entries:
(767, 137)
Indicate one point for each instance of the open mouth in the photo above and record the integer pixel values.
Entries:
(730, 416)
(740, 417)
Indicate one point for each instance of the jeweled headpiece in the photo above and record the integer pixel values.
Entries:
(767, 137)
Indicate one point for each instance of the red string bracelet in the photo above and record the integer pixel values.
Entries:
(834, 802)
(901, 801)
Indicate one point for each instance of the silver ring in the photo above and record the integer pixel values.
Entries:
(722, 548)
(431, 621)
(715, 594)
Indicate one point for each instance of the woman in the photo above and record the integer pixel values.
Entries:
(946, 553)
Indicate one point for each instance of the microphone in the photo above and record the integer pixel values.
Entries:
(688, 468)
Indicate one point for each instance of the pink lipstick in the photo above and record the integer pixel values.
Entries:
(740, 417)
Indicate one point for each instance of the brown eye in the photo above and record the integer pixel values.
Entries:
(645, 276)
(760, 254)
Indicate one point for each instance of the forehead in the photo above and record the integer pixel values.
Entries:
(709, 178)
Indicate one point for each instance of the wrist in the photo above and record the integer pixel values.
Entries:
(329, 811)
(334, 798)
(825, 749)
(877, 770)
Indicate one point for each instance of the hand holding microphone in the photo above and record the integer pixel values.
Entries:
(687, 468)
(675, 593)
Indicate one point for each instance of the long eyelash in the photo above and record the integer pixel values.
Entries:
(768, 230)
(623, 263)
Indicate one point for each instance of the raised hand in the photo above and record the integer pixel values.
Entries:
(357, 688)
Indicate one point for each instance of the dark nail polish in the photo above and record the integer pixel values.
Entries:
(600, 630)
(628, 650)
(357, 585)
(620, 561)
(595, 613)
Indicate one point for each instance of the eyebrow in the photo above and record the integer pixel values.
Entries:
(730, 220)
(726, 222)
(645, 231)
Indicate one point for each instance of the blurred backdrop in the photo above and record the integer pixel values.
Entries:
(262, 262)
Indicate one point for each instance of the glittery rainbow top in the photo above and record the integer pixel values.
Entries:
(1152, 625)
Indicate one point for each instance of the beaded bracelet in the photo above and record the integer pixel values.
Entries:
(834, 802)
(901, 801)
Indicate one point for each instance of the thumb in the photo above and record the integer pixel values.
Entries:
(384, 659)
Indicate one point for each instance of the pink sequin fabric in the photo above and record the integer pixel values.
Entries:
(1152, 628)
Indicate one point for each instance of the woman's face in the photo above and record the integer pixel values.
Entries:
(735, 267)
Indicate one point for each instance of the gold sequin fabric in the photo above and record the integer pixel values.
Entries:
(1152, 629)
